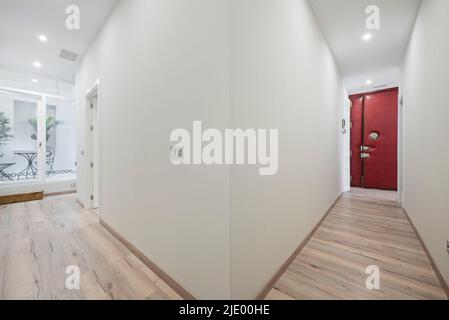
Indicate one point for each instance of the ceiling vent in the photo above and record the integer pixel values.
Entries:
(68, 55)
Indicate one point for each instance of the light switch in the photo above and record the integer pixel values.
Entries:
(176, 153)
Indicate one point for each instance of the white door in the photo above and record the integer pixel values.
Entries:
(95, 152)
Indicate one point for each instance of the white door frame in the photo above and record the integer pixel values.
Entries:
(93, 172)
(346, 145)
(400, 144)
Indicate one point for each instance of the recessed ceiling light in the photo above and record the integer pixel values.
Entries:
(367, 36)
(34, 80)
(37, 64)
(42, 38)
(368, 82)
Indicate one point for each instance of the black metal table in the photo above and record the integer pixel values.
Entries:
(30, 170)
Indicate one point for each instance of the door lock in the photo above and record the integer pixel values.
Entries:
(364, 155)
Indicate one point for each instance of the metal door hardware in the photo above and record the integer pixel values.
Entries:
(343, 126)
(364, 155)
(364, 148)
(374, 135)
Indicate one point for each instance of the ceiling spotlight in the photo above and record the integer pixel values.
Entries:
(367, 36)
(34, 80)
(369, 82)
(42, 38)
(37, 64)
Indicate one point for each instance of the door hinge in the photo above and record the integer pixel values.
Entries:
(362, 180)
(91, 164)
(350, 125)
(350, 154)
(91, 105)
(91, 128)
(91, 197)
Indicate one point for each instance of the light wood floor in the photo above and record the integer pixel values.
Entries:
(39, 239)
(366, 227)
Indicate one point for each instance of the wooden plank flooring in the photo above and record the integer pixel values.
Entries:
(39, 239)
(366, 227)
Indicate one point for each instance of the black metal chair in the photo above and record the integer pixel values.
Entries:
(3, 167)
(50, 159)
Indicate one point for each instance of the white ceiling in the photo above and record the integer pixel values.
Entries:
(21, 21)
(379, 80)
(343, 23)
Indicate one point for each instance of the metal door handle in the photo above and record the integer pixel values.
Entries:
(364, 148)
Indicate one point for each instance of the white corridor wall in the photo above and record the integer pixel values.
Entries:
(283, 76)
(425, 84)
(161, 65)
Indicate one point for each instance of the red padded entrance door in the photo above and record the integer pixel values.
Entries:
(374, 136)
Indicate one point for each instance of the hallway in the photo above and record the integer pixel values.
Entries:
(366, 227)
(40, 239)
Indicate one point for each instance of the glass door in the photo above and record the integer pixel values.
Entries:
(60, 139)
(20, 138)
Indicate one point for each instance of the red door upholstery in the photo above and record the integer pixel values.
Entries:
(374, 119)
(381, 116)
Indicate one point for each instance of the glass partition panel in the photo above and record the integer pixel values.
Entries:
(61, 139)
(18, 137)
